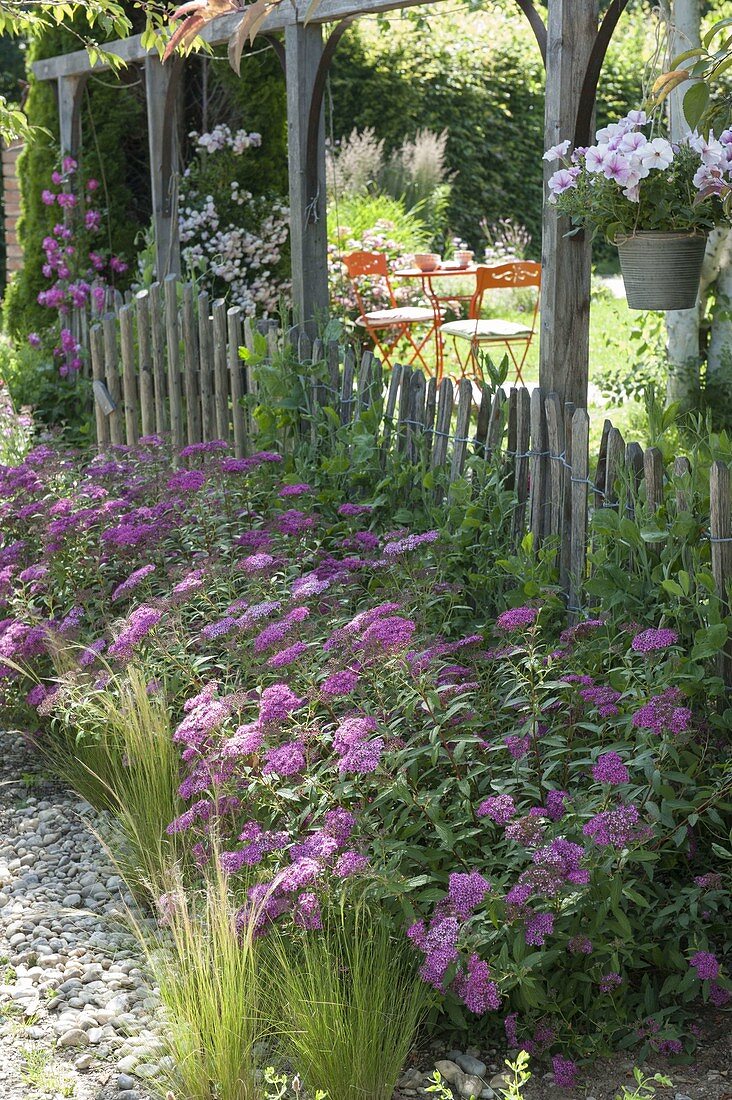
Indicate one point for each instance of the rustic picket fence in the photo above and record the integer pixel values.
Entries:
(168, 362)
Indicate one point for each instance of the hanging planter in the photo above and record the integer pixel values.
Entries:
(655, 200)
(661, 270)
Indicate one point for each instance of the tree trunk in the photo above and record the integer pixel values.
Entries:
(719, 356)
(682, 325)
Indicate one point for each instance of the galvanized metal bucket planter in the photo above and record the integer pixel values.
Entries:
(661, 270)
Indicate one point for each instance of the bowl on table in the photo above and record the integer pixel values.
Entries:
(464, 258)
(427, 261)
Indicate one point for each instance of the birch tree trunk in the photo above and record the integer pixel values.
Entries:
(682, 326)
(719, 356)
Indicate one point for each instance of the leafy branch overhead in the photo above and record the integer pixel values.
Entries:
(701, 65)
(197, 14)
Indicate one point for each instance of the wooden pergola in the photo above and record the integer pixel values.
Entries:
(573, 43)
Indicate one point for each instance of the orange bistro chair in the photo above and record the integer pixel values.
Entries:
(493, 332)
(387, 327)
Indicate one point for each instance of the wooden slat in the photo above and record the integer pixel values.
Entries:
(205, 368)
(402, 425)
(682, 479)
(157, 335)
(236, 380)
(578, 529)
(333, 361)
(720, 523)
(462, 426)
(190, 369)
(615, 465)
(317, 359)
(391, 400)
(555, 471)
(129, 381)
(250, 378)
(601, 471)
(634, 466)
(495, 424)
(481, 424)
(512, 430)
(415, 435)
(538, 468)
(653, 470)
(564, 555)
(96, 339)
(221, 371)
(430, 408)
(347, 399)
(172, 339)
(521, 438)
(363, 386)
(144, 360)
(111, 367)
(442, 427)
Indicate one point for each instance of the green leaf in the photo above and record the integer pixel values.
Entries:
(695, 104)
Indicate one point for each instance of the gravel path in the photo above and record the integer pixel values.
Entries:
(77, 1017)
(76, 1014)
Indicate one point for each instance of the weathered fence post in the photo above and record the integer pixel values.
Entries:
(580, 500)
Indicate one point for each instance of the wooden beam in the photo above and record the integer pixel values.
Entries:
(220, 30)
(308, 241)
(566, 261)
(162, 84)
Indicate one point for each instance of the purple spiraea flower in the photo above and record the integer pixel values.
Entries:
(610, 982)
(556, 804)
(466, 892)
(662, 714)
(284, 760)
(537, 927)
(517, 618)
(339, 684)
(474, 987)
(286, 657)
(278, 701)
(654, 639)
(135, 578)
(616, 828)
(294, 490)
(499, 808)
(609, 768)
(706, 965)
(565, 1072)
(580, 945)
(411, 542)
(350, 863)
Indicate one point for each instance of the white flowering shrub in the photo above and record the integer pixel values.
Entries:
(235, 241)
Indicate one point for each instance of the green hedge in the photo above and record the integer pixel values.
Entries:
(484, 82)
(114, 150)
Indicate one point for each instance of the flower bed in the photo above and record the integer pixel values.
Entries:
(541, 816)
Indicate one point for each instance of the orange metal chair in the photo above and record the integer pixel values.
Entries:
(480, 332)
(397, 320)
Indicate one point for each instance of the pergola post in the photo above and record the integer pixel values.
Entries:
(565, 296)
(161, 85)
(70, 91)
(308, 237)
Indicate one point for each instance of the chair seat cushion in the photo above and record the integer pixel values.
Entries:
(406, 315)
(491, 329)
